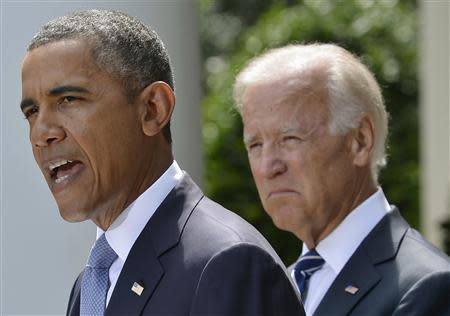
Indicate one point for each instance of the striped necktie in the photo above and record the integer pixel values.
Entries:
(309, 263)
(95, 283)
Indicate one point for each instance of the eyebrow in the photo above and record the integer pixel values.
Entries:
(302, 130)
(54, 92)
(288, 130)
(64, 89)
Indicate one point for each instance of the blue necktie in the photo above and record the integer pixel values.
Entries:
(309, 263)
(95, 283)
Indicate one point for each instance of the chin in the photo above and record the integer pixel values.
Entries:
(72, 216)
(282, 225)
(283, 220)
(278, 219)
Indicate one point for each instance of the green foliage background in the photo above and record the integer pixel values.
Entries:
(383, 33)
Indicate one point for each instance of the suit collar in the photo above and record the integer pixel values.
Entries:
(166, 226)
(162, 232)
(384, 241)
(380, 245)
(338, 247)
(127, 227)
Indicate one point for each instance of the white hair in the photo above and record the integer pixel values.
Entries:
(352, 88)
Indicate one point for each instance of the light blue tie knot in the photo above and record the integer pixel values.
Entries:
(102, 255)
(309, 263)
(95, 283)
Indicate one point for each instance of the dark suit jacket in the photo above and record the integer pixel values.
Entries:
(196, 258)
(397, 272)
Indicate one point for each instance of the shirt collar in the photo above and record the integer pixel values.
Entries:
(337, 248)
(127, 227)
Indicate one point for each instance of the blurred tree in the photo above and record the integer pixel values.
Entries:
(383, 33)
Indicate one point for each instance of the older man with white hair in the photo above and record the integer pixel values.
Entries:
(315, 127)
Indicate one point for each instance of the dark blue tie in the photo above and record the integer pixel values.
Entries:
(309, 263)
(95, 283)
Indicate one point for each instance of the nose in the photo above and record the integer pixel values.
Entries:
(272, 164)
(46, 130)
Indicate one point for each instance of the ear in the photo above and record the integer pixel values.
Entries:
(157, 102)
(363, 141)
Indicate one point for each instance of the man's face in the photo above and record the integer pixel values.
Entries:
(301, 171)
(86, 137)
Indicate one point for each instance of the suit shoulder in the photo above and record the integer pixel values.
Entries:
(399, 249)
(425, 256)
(418, 263)
(218, 229)
(428, 296)
(225, 223)
(253, 277)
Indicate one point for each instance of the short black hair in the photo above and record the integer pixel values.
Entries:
(121, 45)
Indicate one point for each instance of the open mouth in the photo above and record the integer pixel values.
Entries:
(63, 169)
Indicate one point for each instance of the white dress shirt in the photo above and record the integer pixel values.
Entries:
(337, 248)
(127, 227)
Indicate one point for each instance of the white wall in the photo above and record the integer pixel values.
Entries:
(434, 116)
(40, 253)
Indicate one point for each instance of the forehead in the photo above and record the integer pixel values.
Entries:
(58, 62)
(281, 104)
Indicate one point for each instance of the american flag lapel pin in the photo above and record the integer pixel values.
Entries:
(351, 289)
(137, 288)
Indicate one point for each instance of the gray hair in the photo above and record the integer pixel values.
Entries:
(352, 88)
(121, 45)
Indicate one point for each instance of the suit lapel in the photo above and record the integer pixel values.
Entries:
(361, 274)
(161, 233)
(73, 308)
(143, 269)
(360, 271)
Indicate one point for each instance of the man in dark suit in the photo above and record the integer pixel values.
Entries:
(98, 95)
(315, 127)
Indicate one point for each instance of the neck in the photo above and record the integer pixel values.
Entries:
(360, 192)
(141, 182)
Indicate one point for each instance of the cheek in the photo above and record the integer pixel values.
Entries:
(253, 166)
(102, 135)
(258, 177)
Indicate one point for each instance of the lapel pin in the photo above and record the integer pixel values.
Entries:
(351, 289)
(137, 288)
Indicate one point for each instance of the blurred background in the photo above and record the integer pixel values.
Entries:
(406, 43)
(390, 37)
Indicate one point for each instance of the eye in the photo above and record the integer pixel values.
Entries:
(254, 146)
(291, 137)
(291, 140)
(68, 99)
(29, 111)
